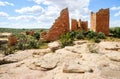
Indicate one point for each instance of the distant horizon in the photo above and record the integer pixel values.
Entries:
(43, 28)
(31, 14)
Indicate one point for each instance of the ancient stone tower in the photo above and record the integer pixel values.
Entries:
(100, 21)
(60, 26)
(79, 25)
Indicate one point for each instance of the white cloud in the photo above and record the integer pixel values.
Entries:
(30, 10)
(117, 14)
(115, 8)
(23, 18)
(3, 14)
(78, 8)
(6, 3)
(46, 15)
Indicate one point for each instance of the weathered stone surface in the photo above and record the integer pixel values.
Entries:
(54, 45)
(110, 45)
(64, 64)
(60, 26)
(75, 67)
(21, 55)
(41, 52)
(115, 56)
(100, 21)
(49, 61)
(79, 42)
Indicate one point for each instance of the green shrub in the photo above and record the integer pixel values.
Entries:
(66, 39)
(115, 32)
(79, 35)
(96, 40)
(91, 34)
(37, 35)
(101, 35)
(9, 50)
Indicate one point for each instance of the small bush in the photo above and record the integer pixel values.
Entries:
(115, 32)
(91, 34)
(9, 50)
(96, 40)
(101, 35)
(66, 40)
(37, 35)
(79, 35)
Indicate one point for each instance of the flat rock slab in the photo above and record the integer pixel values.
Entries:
(76, 67)
(47, 62)
(115, 56)
(110, 45)
(110, 74)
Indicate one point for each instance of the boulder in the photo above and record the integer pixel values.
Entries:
(54, 45)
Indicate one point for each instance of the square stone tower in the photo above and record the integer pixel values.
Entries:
(100, 21)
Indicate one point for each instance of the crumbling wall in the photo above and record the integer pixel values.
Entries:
(100, 21)
(60, 26)
(79, 25)
(74, 24)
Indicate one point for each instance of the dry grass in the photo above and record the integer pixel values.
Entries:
(112, 39)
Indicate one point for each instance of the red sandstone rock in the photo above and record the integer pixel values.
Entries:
(12, 40)
(100, 21)
(60, 26)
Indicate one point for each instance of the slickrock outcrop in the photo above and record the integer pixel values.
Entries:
(60, 26)
(79, 25)
(100, 21)
(72, 62)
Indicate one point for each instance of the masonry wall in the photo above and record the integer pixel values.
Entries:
(74, 25)
(59, 27)
(93, 21)
(100, 21)
(79, 25)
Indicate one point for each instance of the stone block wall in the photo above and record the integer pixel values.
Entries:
(60, 26)
(74, 25)
(79, 25)
(100, 21)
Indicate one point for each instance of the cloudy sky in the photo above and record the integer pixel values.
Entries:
(42, 13)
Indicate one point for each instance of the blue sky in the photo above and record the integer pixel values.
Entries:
(42, 13)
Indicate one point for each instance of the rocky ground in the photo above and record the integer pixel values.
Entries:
(84, 60)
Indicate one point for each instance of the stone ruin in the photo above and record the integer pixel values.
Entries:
(79, 25)
(60, 26)
(31, 32)
(100, 21)
(12, 40)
